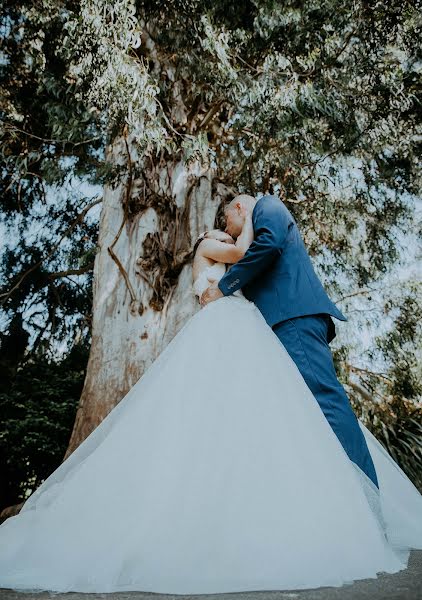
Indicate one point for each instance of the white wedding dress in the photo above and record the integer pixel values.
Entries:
(217, 472)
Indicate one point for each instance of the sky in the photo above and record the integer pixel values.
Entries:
(357, 332)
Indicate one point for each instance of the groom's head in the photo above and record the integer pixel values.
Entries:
(234, 213)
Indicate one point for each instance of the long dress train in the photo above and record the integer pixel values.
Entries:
(217, 472)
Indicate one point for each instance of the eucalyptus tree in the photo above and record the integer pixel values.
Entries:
(316, 101)
(204, 98)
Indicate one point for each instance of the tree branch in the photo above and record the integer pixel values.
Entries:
(128, 191)
(6, 295)
(367, 372)
(50, 141)
(80, 271)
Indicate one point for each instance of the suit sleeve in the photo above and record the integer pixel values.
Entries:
(271, 229)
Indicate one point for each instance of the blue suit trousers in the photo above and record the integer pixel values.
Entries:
(305, 339)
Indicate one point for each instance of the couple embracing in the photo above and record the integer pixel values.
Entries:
(236, 462)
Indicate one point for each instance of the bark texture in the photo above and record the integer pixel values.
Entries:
(142, 292)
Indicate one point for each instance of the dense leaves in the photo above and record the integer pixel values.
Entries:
(388, 398)
(37, 406)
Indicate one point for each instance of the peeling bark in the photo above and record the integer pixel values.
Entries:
(137, 314)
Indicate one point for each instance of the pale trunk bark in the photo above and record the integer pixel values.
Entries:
(125, 342)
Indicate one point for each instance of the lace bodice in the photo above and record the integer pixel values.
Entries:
(215, 271)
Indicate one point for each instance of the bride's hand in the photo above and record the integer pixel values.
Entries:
(212, 293)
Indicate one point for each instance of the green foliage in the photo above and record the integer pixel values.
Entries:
(398, 426)
(317, 102)
(37, 406)
(49, 144)
(388, 399)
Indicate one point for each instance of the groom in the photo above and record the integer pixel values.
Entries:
(276, 274)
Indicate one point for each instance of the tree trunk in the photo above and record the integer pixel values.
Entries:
(139, 305)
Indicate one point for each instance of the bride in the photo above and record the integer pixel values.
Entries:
(217, 472)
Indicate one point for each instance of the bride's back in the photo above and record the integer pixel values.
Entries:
(204, 260)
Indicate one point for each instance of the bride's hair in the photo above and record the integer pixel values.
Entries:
(199, 239)
(216, 234)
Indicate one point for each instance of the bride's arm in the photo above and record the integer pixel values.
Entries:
(229, 253)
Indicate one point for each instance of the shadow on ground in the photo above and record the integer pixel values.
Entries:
(404, 585)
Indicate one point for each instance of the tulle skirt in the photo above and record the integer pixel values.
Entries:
(217, 472)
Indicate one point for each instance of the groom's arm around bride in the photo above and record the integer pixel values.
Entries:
(276, 272)
(272, 230)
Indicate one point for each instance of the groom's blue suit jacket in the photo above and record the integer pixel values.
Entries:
(276, 272)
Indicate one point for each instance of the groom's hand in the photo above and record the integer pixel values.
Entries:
(212, 293)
